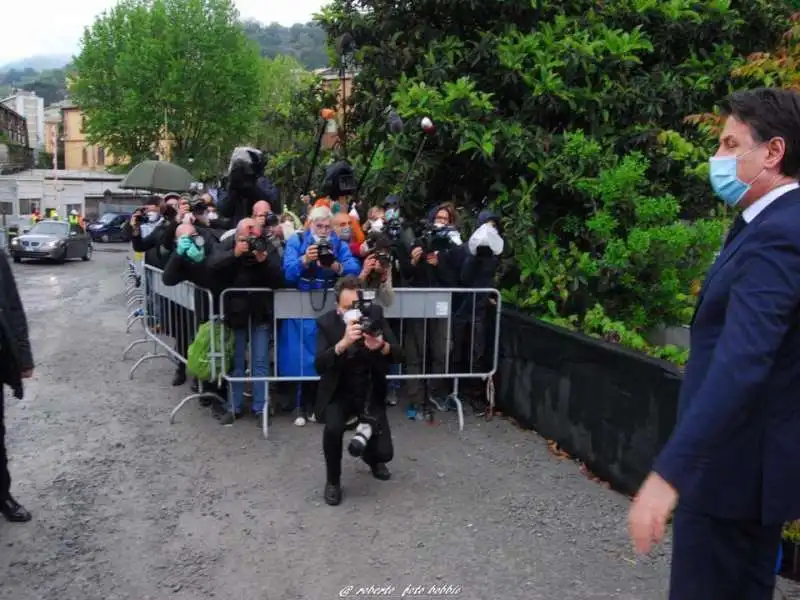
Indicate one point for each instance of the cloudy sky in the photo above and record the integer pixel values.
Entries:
(55, 26)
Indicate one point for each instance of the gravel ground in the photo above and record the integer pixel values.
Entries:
(127, 506)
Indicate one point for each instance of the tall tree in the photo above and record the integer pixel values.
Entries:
(180, 67)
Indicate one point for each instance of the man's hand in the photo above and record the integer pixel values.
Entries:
(336, 267)
(27, 374)
(312, 254)
(647, 519)
(432, 259)
(352, 334)
(369, 265)
(416, 254)
(260, 256)
(241, 248)
(373, 342)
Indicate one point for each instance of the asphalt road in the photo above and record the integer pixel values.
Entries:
(127, 506)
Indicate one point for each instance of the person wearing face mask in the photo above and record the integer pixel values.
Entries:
(312, 261)
(343, 227)
(238, 264)
(426, 345)
(480, 263)
(728, 468)
(353, 365)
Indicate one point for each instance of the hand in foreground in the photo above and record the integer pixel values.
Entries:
(241, 248)
(351, 334)
(373, 342)
(652, 507)
(312, 254)
(369, 265)
(416, 254)
(432, 259)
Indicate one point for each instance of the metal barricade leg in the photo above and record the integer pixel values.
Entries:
(201, 393)
(459, 405)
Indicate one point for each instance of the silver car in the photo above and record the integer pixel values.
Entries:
(52, 240)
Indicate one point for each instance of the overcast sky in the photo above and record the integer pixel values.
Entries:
(34, 28)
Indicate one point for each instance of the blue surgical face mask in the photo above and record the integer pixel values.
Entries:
(345, 233)
(725, 179)
(190, 250)
(392, 213)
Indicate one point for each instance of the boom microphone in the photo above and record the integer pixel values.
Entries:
(395, 122)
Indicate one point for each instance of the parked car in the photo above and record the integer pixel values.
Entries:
(53, 240)
(110, 228)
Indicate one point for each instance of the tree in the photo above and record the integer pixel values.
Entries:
(570, 118)
(181, 68)
(304, 42)
(291, 101)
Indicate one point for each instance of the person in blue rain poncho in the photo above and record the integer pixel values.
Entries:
(312, 260)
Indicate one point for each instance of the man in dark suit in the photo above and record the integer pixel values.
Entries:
(734, 457)
(353, 365)
(16, 364)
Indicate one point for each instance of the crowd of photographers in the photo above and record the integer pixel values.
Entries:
(240, 240)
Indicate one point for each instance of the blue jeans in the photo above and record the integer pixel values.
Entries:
(259, 366)
(394, 384)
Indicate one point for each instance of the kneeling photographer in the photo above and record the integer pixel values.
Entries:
(355, 348)
(248, 260)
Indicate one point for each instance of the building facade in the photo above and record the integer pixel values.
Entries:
(30, 106)
(79, 153)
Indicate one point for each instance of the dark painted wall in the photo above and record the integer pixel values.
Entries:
(612, 408)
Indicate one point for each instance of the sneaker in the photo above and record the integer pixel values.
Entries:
(300, 422)
(391, 399)
(312, 418)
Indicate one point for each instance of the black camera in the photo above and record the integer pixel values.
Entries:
(394, 228)
(271, 220)
(198, 207)
(257, 243)
(325, 255)
(364, 306)
(339, 180)
(433, 239)
(139, 218)
(379, 246)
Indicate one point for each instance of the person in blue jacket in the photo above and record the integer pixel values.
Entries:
(312, 260)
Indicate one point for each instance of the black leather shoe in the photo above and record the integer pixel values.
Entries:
(179, 378)
(333, 494)
(13, 511)
(381, 471)
(195, 387)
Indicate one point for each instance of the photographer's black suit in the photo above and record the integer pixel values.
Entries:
(335, 405)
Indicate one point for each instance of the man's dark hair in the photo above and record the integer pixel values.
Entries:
(770, 113)
(348, 282)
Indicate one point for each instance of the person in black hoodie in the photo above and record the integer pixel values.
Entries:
(480, 264)
(240, 262)
(16, 364)
(433, 270)
(247, 184)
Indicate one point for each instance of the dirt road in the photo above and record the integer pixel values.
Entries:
(127, 506)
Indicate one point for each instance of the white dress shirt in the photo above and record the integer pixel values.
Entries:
(752, 211)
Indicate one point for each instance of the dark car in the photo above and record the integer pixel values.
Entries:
(110, 228)
(53, 240)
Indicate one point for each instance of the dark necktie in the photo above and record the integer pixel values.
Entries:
(736, 229)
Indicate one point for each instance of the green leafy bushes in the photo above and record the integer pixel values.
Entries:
(570, 117)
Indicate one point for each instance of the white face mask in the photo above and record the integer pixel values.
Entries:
(153, 216)
(288, 229)
(438, 224)
(351, 315)
(211, 215)
(376, 225)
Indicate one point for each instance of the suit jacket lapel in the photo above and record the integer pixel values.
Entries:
(730, 250)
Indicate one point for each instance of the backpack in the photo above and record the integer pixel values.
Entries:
(199, 361)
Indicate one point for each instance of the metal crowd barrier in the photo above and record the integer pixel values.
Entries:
(170, 317)
(434, 313)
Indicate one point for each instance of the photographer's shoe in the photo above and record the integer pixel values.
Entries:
(381, 471)
(13, 511)
(333, 494)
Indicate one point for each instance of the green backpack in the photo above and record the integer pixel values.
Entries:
(199, 359)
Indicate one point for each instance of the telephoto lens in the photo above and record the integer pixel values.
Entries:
(358, 443)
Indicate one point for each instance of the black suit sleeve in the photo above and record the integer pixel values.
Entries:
(174, 272)
(395, 355)
(326, 358)
(16, 319)
(222, 258)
